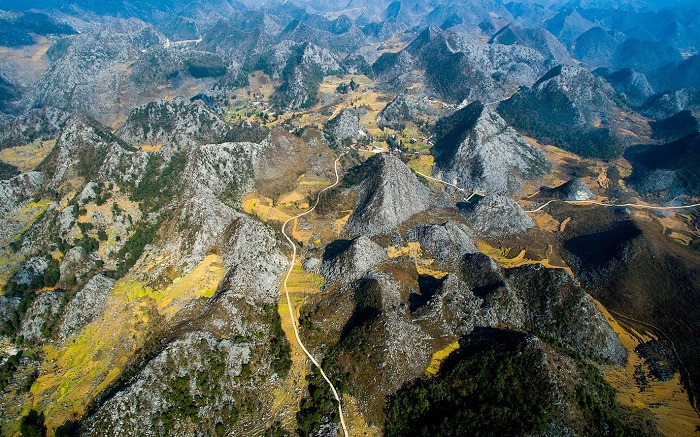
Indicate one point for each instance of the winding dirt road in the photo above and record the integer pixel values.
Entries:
(289, 300)
(611, 205)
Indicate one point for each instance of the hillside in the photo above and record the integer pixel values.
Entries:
(334, 219)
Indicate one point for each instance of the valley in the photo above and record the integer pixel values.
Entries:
(388, 218)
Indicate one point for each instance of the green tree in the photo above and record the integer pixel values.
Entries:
(32, 425)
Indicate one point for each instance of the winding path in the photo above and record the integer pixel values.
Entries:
(447, 183)
(611, 205)
(289, 300)
(571, 202)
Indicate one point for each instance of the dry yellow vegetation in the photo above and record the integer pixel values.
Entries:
(440, 356)
(498, 255)
(74, 372)
(357, 425)
(28, 157)
(667, 402)
(413, 251)
(263, 207)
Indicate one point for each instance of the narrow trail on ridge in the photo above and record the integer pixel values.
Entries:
(289, 300)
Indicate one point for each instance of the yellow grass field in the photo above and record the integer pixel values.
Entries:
(667, 402)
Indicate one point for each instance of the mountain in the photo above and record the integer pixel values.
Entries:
(669, 103)
(390, 195)
(595, 47)
(177, 257)
(536, 38)
(631, 85)
(515, 360)
(568, 25)
(568, 107)
(678, 75)
(401, 110)
(85, 77)
(456, 69)
(17, 29)
(644, 56)
(346, 126)
(666, 170)
(676, 126)
(302, 75)
(173, 125)
(573, 190)
(476, 150)
(636, 255)
(496, 216)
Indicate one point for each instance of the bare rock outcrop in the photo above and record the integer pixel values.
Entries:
(496, 216)
(478, 151)
(387, 197)
(353, 261)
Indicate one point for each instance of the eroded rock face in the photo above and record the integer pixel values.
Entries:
(18, 189)
(346, 126)
(537, 38)
(446, 243)
(87, 74)
(398, 112)
(632, 85)
(489, 156)
(36, 124)
(87, 304)
(173, 124)
(352, 262)
(39, 316)
(531, 298)
(496, 216)
(389, 196)
(459, 70)
(198, 370)
(86, 149)
(571, 108)
(383, 340)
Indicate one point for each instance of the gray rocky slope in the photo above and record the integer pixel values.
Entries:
(571, 108)
(574, 189)
(387, 197)
(195, 198)
(489, 156)
(346, 126)
(410, 320)
(457, 69)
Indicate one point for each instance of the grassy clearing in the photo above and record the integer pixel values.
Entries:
(263, 208)
(301, 281)
(74, 372)
(200, 282)
(422, 163)
(27, 157)
(499, 255)
(357, 425)
(439, 357)
(150, 148)
(414, 252)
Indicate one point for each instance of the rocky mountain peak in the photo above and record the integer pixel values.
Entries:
(496, 216)
(173, 124)
(571, 108)
(574, 190)
(346, 125)
(478, 151)
(348, 261)
(389, 195)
